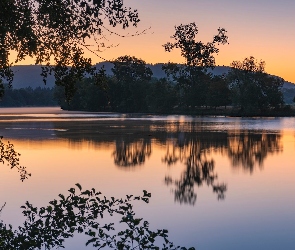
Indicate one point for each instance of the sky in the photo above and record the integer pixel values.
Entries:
(264, 29)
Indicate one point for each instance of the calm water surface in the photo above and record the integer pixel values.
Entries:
(216, 183)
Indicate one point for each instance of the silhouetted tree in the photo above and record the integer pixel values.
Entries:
(161, 96)
(131, 78)
(218, 92)
(192, 78)
(58, 31)
(28, 97)
(196, 54)
(88, 96)
(251, 88)
(83, 212)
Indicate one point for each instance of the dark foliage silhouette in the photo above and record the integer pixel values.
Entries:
(9, 156)
(28, 97)
(83, 212)
(59, 31)
(192, 78)
(252, 89)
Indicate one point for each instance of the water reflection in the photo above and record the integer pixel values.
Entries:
(248, 150)
(131, 153)
(199, 170)
(244, 149)
(192, 149)
(191, 143)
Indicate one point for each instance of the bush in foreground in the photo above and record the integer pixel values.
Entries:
(48, 227)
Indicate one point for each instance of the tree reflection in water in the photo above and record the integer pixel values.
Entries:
(244, 149)
(131, 154)
(199, 170)
(190, 143)
(249, 150)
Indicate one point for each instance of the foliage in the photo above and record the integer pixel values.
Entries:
(10, 156)
(196, 54)
(57, 31)
(49, 226)
(185, 89)
(252, 89)
(28, 97)
(250, 65)
(88, 96)
(162, 96)
(192, 78)
(125, 91)
(131, 76)
(129, 69)
(218, 92)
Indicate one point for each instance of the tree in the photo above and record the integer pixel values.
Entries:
(57, 31)
(218, 92)
(252, 89)
(131, 77)
(192, 78)
(196, 54)
(162, 96)
(28, 97)
(88, 96)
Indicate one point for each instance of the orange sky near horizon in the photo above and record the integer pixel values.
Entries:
(260, 28)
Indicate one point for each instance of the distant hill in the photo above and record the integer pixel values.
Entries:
(157, 69)
(159, 73)
(289, 85)
(29, 75)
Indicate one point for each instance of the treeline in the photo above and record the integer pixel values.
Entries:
(187, 88)
(28, 97)
(132, 88)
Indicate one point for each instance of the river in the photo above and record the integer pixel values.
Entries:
(216, 182)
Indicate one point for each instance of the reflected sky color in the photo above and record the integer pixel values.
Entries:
(256, 213)
(260, 28)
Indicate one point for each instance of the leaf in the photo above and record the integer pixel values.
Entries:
(91, 241)
(79, 186)
(62, 196)
(146, 194)
(72, 190)
(49, 209)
